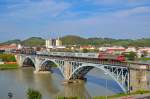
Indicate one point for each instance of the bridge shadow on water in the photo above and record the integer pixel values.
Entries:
(56, 71)
(111, 84)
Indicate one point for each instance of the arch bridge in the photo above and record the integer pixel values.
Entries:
(76, 68)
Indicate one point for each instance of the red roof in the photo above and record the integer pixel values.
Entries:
(116, 49)
(4, 47)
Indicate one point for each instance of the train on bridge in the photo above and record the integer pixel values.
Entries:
(101, 56)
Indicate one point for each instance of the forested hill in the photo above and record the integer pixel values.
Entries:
(76, 40)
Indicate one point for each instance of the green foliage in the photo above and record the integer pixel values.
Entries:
(52, 64)
(34, 41)
(144, 59)
(142, 91)
(33, 94)
(122, 94)
(85, 51)
(8, 57)
(8, 66)
(131, 55)
(16, 41)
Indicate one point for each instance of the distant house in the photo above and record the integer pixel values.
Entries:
(144, 51)
(116, 50)
(131, 49)
(113, 50)
(8, 48)
(87, 47)
(103, 48)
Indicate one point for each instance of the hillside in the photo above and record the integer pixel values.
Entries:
(33, 41)
(17, 41)
(76, 40)
(73, 40)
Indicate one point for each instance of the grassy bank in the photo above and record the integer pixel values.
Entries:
(123, 94)
(111, 97)
(8, 66)
(144, 59)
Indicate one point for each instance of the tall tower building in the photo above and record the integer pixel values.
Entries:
(58, 42)
(48, 43)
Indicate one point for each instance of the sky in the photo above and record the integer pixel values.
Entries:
(21, 19)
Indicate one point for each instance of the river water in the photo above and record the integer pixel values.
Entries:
(50, 85)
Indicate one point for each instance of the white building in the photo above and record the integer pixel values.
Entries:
(19, 46)
(48, 43)
(143, 50)
(131, 49)
(54, 44)
(58, 42)
(103, 48)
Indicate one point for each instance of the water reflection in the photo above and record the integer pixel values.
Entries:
(49, 85)
(75, 90)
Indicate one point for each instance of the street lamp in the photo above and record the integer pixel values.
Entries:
(106, 83)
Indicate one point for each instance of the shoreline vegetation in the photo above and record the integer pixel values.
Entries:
(33, 94)
(144, 59)
(8, 66)
(9, 62)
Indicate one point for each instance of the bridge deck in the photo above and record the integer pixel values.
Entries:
(133, 65)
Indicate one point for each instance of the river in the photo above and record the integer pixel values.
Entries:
(50, 85)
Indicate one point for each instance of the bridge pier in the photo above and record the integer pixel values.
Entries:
(67, 70)
(19, 60)
(138, 80)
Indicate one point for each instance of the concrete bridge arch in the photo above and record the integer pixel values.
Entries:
(30, 59)
(58, 63)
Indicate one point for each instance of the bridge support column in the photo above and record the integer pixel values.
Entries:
(138, 80)
(19, 59)
(37, 65)
(67, 70)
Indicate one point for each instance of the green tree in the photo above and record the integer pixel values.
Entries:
(131, 56)
(33, 94)
(85, 50)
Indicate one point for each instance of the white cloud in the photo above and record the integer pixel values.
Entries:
(33, 9)
(133, 11)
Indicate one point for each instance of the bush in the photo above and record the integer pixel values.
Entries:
(142, 91)
(131, 56)
(33, 94)
(85, 50)
(8, 57)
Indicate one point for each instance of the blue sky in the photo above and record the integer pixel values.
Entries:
(87, 18)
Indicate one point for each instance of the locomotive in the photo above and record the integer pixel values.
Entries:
(108, 56)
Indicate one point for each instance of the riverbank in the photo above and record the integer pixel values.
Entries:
(144, 59)
(125, 95)
(132, 95)
(8, 66)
